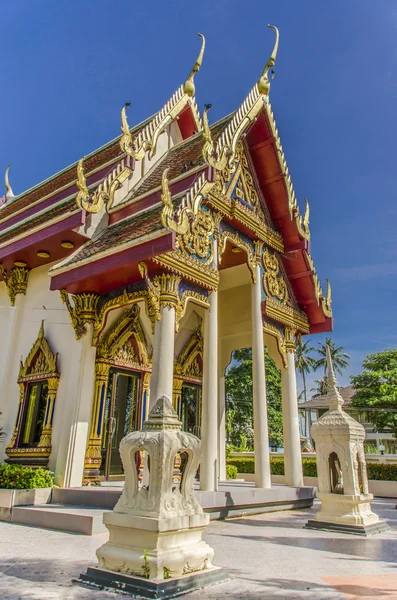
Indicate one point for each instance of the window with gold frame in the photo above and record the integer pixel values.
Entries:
(38, 383)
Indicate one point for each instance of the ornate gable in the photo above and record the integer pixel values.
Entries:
(125, 343)
(41, 362)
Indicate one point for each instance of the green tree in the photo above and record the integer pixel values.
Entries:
(321, 387)
(239, 406)
(339, 357)
(376, 389)
(305, 363)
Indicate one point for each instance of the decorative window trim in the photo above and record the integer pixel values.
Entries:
(40, 365)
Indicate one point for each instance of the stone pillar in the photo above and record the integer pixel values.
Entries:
(222, 429)
(78, 434)
(209, 429)
(261, 435)
(163, 356)
(292, 446)
(93, 455)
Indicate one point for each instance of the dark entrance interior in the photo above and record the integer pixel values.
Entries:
(121, 416)
(190, 409)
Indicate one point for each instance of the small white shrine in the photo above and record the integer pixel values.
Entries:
(155, 544)
(341, 468)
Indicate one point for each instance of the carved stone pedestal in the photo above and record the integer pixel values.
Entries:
(347, 514)
(155, 548)
(342, 472)
(155, 542)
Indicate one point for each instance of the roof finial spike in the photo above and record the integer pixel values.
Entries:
(189, 87)
(264, 83)
(335, 400)
(306, 216)
(329, 294)
(9, 193)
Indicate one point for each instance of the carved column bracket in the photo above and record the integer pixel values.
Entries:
(16, 281)
(82, 311)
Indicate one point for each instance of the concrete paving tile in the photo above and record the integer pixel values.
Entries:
(270, 555)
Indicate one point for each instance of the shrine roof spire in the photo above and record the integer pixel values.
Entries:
(334, 399)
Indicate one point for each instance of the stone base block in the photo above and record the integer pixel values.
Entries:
(155, 548)
(101, 579)
(345, 509)
(364, 530)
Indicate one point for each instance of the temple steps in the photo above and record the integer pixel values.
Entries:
(80, 510)
(61, 517)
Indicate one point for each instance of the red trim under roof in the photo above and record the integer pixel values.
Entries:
(271, 179)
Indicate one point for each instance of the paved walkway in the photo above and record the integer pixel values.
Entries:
(270, 556)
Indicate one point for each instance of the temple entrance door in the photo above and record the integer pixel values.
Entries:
(190, 412)
(121, 414)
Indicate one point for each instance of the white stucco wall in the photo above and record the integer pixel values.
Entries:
(42, 304)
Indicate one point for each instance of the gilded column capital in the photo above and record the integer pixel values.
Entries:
(84, 310)
(258, 245)
(290, 339)
(163, 291)
(102, 370)
(168, 285)
(16, 281)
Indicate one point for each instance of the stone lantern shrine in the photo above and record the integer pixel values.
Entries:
(155, 548)
(342, 472)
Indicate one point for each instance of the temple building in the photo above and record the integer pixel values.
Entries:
(137, 271)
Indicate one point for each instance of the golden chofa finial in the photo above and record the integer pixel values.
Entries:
(188, 86)
(9, 193)
(306, 218)
(264, 82)
(81, 184)
(328, 298)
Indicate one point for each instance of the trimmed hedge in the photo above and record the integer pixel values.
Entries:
(376, 471)
(18, 477)
(231, 472)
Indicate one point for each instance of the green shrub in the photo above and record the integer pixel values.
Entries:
(231, 472)
(376, 471)
(18, 477)
(381, 472)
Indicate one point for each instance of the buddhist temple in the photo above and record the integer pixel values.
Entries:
(136, 272)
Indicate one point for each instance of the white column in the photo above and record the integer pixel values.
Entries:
(161, 381)
(10, 369)
(292, 446)
(261, 435)
(70, 460)
(209, 425)
(222, 429)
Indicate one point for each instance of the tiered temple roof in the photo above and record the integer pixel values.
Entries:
(97, 219)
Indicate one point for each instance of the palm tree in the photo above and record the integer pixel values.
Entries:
(338, 357)
(321, 388)
(304, 362)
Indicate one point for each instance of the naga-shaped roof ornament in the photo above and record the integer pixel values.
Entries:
(146, 139)
(9, 193)
(334, 399)
(264, 82)
(223, 152)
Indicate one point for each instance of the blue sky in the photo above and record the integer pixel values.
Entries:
(67, 69)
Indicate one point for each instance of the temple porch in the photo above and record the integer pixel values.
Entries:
(80, 509)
